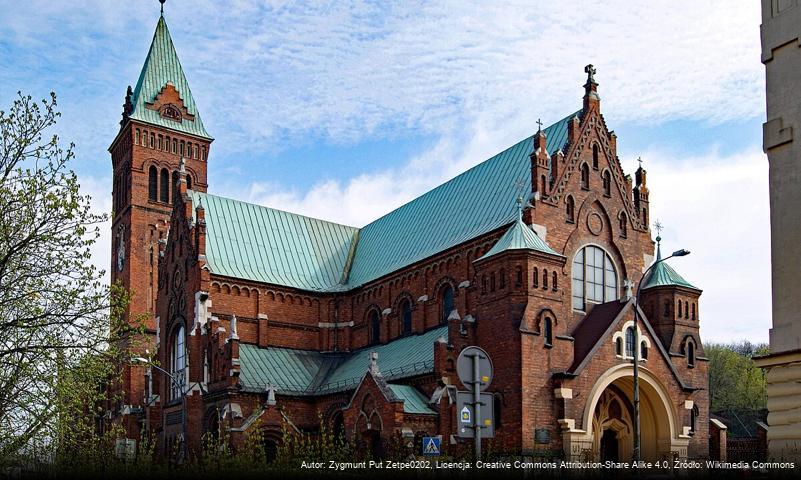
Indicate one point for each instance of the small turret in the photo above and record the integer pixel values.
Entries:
(540, 176)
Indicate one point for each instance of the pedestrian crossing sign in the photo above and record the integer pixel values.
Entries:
(431, 445)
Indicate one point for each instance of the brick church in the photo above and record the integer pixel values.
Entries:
(265, 319)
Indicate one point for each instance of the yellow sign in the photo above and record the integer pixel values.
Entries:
(487, 422)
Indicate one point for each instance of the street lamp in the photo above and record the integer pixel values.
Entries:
(179, 385)
(677, 253)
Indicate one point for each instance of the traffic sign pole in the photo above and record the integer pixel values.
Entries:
(477, 405)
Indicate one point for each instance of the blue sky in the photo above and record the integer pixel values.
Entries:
(346, 110)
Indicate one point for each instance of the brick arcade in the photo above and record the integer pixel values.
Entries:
(267, 319)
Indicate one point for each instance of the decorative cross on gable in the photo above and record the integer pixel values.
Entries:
(590, 71)
(627, 284)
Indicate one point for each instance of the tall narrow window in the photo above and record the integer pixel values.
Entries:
(607, 183)
(594, 277)
(623, 225)
(519, 276)
(693, 310)
(667, 308)
(548, 332)
(585, 176)
(164, 187)
(406, 317)
(570, 209)
(535, 279)
(690, 354)
(492, 282)
(545, 279)
(619, 346)
(181, 148)
(483, 284)
(174, 146)
(643, 351)
(447, 301)
(502, 279)
(542, 184)
(686, 309)
(136, 137)
(178, 363)
(694, 412)
(554, 287)
(188, 182)
(152, 140)
(161, 142)
(152, 184)
(679, 307)
(375, 328)
(630, 342)
(175, 177)
(595, 156)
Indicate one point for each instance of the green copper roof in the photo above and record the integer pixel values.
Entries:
(282, 248)
(663, 275)
(519, 237)
(413, 400)
(273, 246)
(308, 372)
(472, 204)
(162, 66)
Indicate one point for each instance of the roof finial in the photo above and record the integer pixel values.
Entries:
(658, 227)
(539, 125)
(590, 71)
(162, 6)
(639, 159)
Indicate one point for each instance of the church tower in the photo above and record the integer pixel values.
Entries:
(160, 126)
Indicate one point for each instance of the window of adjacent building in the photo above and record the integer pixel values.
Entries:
(447, 300)
(594, 277)
(406, 317)
(178, 369)
(375, 327)
(693, 418)
(152, 184)
(164, 194)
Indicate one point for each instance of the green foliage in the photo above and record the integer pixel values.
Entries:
(56, 313)
(734, 381)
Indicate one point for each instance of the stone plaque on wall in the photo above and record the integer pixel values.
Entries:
(542, 435)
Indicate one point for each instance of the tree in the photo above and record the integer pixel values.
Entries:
(734, 381)
(54, 304)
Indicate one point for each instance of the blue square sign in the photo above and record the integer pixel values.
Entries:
(431, 445)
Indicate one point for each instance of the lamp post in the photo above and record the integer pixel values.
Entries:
(677, 253)
(179, 385)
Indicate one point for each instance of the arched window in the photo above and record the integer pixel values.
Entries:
(136, 137)
(643, 351)
(679, 307)
(570, 209)
(167, 143)
(178, 363)
(623, 225)
(667, 308)
(174, 146)
(181, 148)
(694, 413)
(152, 140)
(153, 184)
(447, 301)
(595, 156)
(535, 279)
(585, 176)
(161, 142)
(686, 309)
(175, 177)
(690, 354)
(519, 276)
(406, 317)
(164, 193)
(544, 279)
(548, 331)
(607, 183)
(203, 156)
(619, 346)
(630, 342)
(594, 277)
(554, 287)
(693, 310)
(188, 182)
(375, 327)
(502, 279)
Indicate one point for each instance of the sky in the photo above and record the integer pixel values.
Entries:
(346, 110)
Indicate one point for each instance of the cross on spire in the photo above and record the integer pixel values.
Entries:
(162, 6)
(590, 71)
(639, 159)
(539, 125)
(658, 227)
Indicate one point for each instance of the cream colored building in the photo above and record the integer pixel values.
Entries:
(781, 54)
